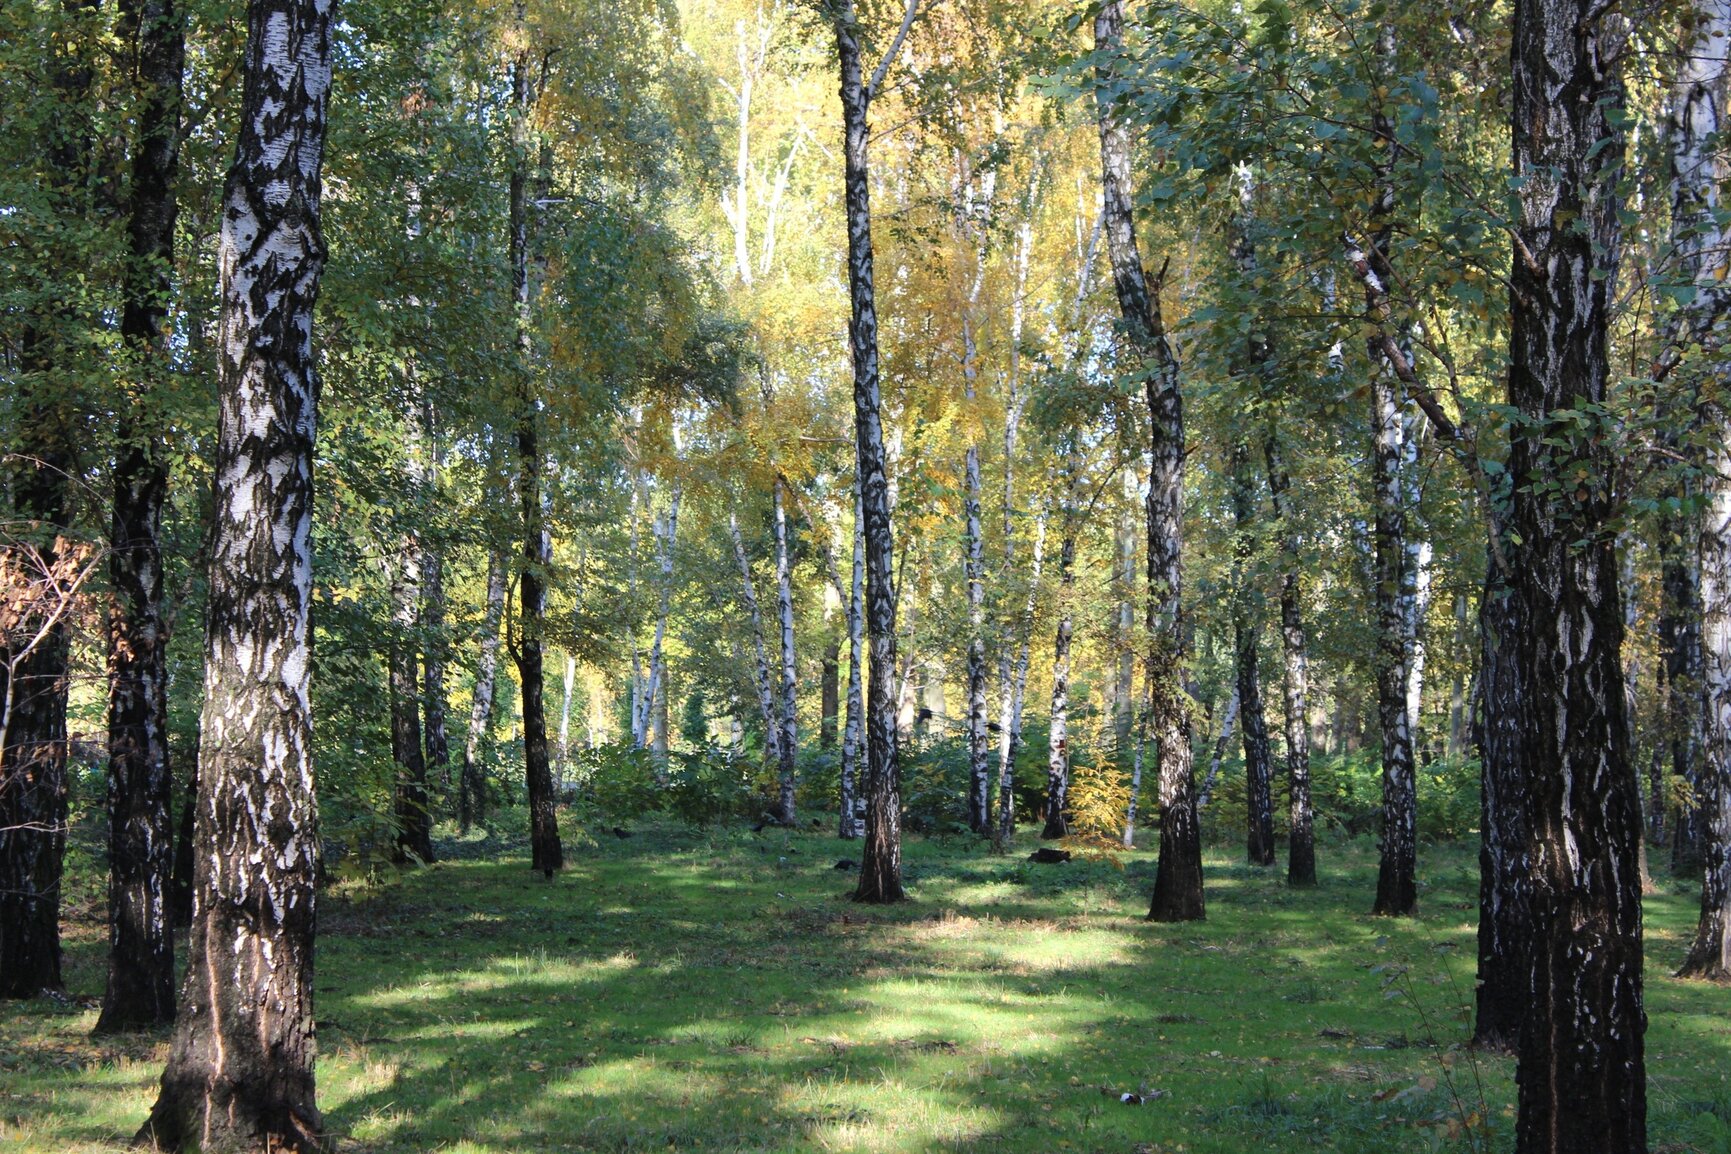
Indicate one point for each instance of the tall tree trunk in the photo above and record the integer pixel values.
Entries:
(1698, 174)
(854, 734)
(414, 816)
(240, 1072)
(789, 675)
(1710, 954)
(546, 852)
(765, 686)
(1206, 793)
(140, 991)
(472, 788)
(881, 863)
(974, 570)
(1058, 758)
(1178, 880)
(34, 670)
(563, 766)
(1581, 1074)
(1246, 634)
(1504, 924)
(1396, 883)
(1301, 851)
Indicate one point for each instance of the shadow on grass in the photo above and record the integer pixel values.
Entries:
(709, 990)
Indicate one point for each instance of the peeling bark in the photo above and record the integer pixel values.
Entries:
(880, 867)
(140, 990)
(240, 1072)
(1581, 1073)
(1178, 880)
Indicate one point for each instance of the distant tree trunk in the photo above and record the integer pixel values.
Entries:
(765, 686)
(472, 788)
(1504, 925)
(1680, 654)
(546, 853)
(829, 693)
(650, 726)
(140, 991)
(1014, 674)
(431, 624)
(185, 832)
(881, 865)
(853, 736)
(1459, 707)
(240, 1071)
(1058, 759)
(414, 840)
(1010, 685)
(789, 675)
(1178, 880)
(1206, 793)
(973, 567)
(1301, 852)
(1246, 631)
(1581, 1073)
(1698, 172)
(563, 766)
(1124, 721)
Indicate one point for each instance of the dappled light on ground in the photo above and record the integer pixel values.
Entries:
(710, 990)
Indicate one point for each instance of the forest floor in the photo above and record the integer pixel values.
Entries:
(717, 990)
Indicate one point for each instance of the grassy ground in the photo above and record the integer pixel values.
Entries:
(716, 990)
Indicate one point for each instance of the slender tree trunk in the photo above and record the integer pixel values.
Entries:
(140, 991)
(414, 840)
(1178, 880)
(973, 566)
(1246, 633)
(651, 727)
(1698, 174)
(765, 686)
(1680, 654)
(472, 788)
(789, 675)
(1396, 884)
(1710, 954)
(562, 767)
(1206, 793)
(546, 853)
(435, 644)
(240, 1072)
(1581, 1074)
(881, 865)
(1124, 721)
(1058, 759)
(853, 736)
(1504, 925)
(1301, 852)
(829, 693)
(1459, 715)
(1015, 678)
(180, 902)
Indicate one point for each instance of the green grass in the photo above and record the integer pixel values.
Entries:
(710, 990)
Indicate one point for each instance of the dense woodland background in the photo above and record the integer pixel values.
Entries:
(587, 444)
